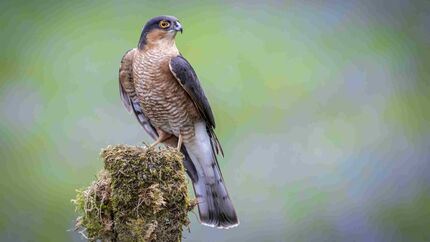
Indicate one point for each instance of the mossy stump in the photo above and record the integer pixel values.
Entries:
(140, 195)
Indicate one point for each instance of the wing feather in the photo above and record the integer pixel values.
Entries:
(187, 78)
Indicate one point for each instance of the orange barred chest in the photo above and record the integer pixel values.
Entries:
(163, 100)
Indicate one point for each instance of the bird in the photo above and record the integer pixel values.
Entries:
(161, 88)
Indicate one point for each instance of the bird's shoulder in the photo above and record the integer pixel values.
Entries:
(126, 84)
(126, 65)
(128, 57)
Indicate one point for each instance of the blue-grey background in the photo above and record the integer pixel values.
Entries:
(323, 108)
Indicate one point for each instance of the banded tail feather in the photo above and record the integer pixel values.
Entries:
(214, 204)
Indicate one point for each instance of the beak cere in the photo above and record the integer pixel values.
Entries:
(178, 26)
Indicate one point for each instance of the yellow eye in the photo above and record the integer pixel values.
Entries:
(164, 24)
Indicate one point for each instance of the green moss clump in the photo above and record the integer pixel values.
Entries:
(94, 204)
(141, 195)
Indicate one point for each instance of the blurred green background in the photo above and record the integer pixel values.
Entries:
(323, 110)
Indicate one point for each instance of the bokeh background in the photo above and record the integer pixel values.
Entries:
(323, 108)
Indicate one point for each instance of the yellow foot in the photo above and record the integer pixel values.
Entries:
(162, 136)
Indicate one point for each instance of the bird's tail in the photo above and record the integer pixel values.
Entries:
(214, 204)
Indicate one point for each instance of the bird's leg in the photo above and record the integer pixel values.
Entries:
(159, 140)
(180, 139)
(162, 136)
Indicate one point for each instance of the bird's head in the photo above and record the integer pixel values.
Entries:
(160, 30)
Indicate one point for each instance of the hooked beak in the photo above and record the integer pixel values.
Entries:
(178, 27)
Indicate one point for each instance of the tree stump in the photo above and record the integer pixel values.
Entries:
(140, 195)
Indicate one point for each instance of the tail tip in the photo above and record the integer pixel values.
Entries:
(222, 225)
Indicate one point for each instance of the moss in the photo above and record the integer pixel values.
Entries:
(141, 195)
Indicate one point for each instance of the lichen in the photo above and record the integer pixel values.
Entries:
(140, 195)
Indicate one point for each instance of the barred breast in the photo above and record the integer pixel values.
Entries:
(163, 100)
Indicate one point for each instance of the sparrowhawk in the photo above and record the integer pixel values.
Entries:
(159, 85)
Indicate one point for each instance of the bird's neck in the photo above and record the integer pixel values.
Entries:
(161, 46)
(160, 49)
(157, 39)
